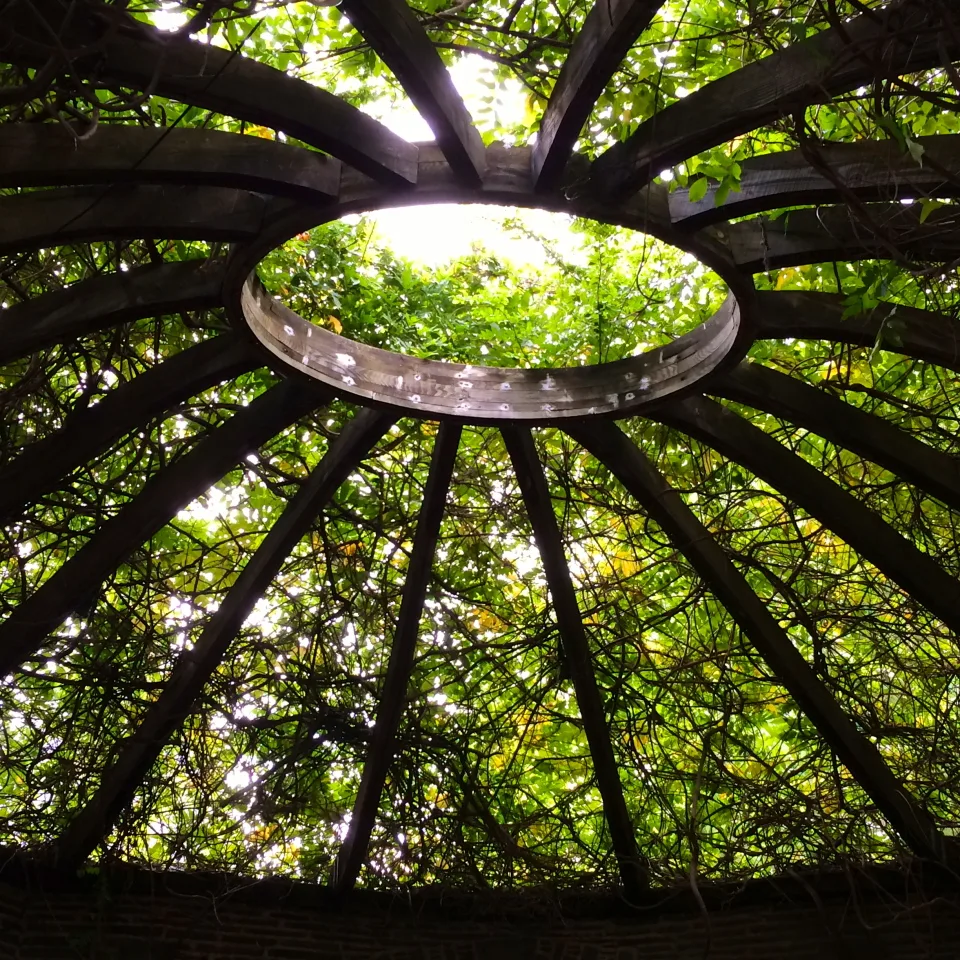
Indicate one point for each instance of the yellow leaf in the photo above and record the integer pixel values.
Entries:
(334, 324)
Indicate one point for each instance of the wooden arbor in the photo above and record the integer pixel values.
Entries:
(169, 183)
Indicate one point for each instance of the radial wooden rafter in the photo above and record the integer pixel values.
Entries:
(126, 183)
(137, 754)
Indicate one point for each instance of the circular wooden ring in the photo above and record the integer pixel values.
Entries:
(437, 389)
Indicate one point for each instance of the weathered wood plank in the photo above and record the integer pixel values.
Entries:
(810, 315)
(395, 34)
(870, 436)
(42, 466)
(438, 389)
(393, 695)
(194, 668)
(47, 218)
(133, 54)
(904, 37)
(162, 497)
(838, 233)
(576, 649)
(610, 29)
(641, 478)
(866, 532)
(45, 155)
(106, 301)
(870, 170)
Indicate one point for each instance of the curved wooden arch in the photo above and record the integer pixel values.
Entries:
(45, 155)
(872, 537)
(837, 233)
(195, 667)
(164, 495)
(44, 218)
(42, 466)
(871, 171)
(431, 388)
(907, 36)
(868, 435)
(809, 315)
(107, 301)
(207, 76)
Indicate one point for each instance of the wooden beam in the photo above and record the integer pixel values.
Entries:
(130, 53)
(53, 218)
(808, 315)
(42, 466)
(902, 38)
(45, 155)
(609, 31)
(106, 301)
(625, 461)
(163, 496)
(576, 648)
(870, 170)
(849, 427)
(867, 533)
(393, 695)
(195, 667)
(395, 34)
(838, 233)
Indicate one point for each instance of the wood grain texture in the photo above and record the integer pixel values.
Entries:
(876, 541)
(610, 29)
(809, 315)
(393, 31)
(133, 54)
(194, 668)
(904, 37)
(45, 155)
(106, 301)
(395, 690)
(845, 425)
(837, 233)
(643, 481)
(576, 650)
(43, 466)
(162, 497)
(430, 388)
(46, 218)
(871, 171)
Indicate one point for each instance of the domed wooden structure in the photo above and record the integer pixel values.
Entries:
(850, 654)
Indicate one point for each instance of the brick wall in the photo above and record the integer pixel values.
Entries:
(155, 918)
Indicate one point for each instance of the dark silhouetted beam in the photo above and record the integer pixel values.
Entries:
(849, 427)
(46, 155)
(903, 38)
(641, 479)
(874, 539)
(47, 218)
(393, 696)
(808, 315)
(134, 54)
(838, 233)
(162, 497)
(870, 170)
(42, 466)
(107, 301)
(195, 666)
(576, 648)
(393, 31)
(610, 29)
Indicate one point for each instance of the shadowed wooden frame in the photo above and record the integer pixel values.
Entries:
(195, 666)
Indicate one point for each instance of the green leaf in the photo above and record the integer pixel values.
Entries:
(698, 190)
